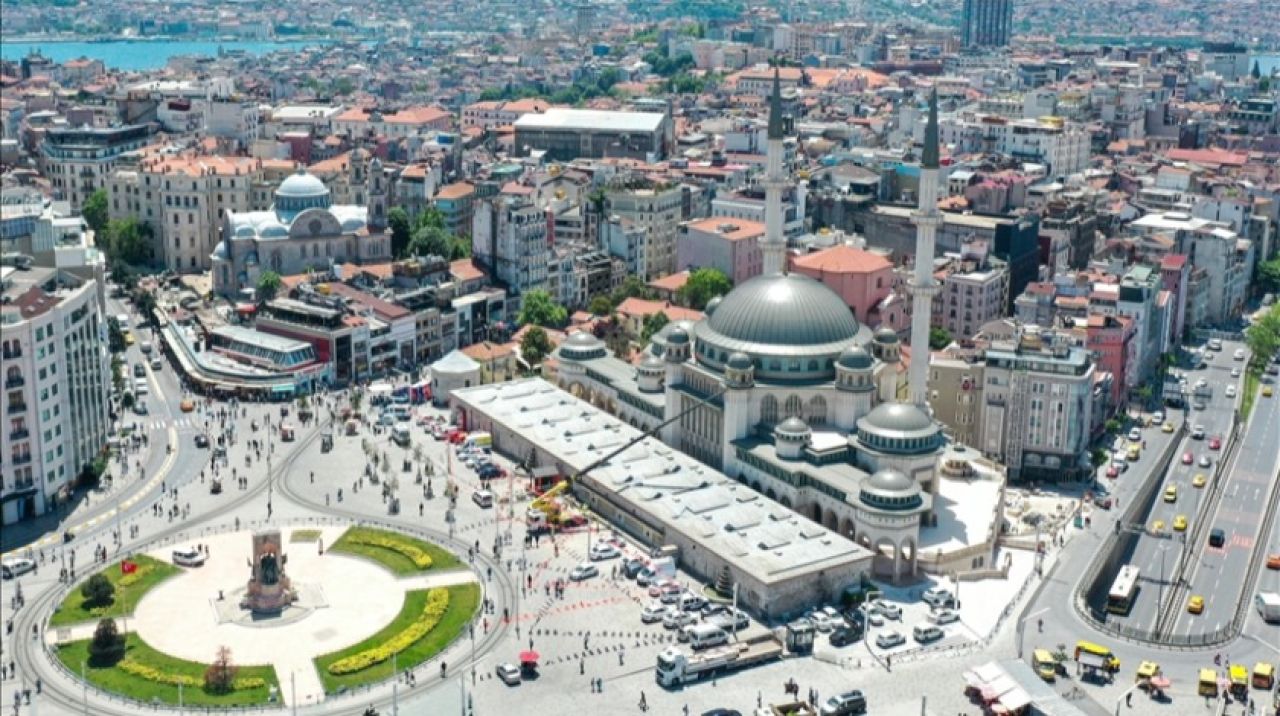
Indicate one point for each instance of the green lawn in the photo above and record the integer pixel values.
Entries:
(305, 536)
(1251, 379)
(392, 560)
(463, 601)
(117, 681)
(72, 609)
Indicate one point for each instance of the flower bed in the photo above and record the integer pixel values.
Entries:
(419, 557)
(151, 673)
(437, 604)
(130, 588)
(399, 553)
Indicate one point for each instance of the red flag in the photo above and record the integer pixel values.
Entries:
(127, 567)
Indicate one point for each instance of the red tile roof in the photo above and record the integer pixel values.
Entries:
(843, 259)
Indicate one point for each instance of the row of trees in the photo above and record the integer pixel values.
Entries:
(1263, 337)
(426, 236)
(125, 242)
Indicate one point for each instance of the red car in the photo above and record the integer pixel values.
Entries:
(1214, 443)
(1187, 459)
(1112, 472)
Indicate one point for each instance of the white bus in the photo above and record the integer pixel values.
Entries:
(1123, 590)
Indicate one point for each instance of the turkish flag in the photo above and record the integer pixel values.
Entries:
(127, 567)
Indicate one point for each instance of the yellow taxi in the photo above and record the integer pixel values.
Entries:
(1199, 480)
(1195, 604)
(1157, 526)
(1180, 523)
(1167, 427)
(128, 338)
(1266, 391)
(1171, 493)
(187, 405)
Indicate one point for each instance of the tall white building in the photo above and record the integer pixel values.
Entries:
(57, 383)
(657, 209)
(1063, 146)
(509, 235)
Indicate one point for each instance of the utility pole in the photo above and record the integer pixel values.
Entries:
(84, 683)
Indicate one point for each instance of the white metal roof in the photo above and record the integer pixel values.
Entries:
(591, 119)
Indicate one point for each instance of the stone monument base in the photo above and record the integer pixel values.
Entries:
(232, 609)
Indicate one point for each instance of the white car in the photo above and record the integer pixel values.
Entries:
(675, 618)
(14, 567)
(1239, 354)
(944, 616)
(604, 550)
(586, 570)
(889, 611)
(873, 617)
(890, 639)
(1231, 391)
(1235, 372)
(820, 621)
(509, 673)
(1157, 418)
(1204, 461)
(691, 602)
(653, 612)
(1135, 434)
(187, 557)
(1198, 432)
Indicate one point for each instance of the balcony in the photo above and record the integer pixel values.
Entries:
(22, 459)
(15, 353)
(17, 408)
(19, 434)
(15, 381)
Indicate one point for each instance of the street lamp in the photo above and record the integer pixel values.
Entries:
(1022, 624)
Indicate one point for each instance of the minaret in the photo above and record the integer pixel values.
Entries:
(774, 250)
(923, 288)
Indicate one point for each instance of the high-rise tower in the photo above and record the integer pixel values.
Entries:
(986, 23)
(927, 218)
(774, 250)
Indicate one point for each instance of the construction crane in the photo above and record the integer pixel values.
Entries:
(547, 511)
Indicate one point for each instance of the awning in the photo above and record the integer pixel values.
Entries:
(282, 389)
(529, 656)
(246, 308)
(1015, 699)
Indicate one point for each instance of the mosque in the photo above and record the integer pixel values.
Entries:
(302, 230)
(781, 388)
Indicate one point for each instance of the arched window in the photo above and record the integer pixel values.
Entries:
(276, 261)
(817, 413)
(794, 406)
(769, 410)
(813, 366)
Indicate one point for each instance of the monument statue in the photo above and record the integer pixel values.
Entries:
(270, 589)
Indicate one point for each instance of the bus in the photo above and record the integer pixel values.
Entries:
(1123, 590)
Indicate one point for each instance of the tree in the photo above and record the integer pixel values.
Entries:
(95, 210)
(653, 323)
(269, 283)
(145, 301)
(600, 306)
(703, 285)
(535, 345)
(1256, 72)
(1269, 275)
(401, 231)
(115, 336)
(632, 287)
(1114, 426)
(1263, 337)
(107, 646)
(220, 677)
(539, 309)
(939, 338)
(98, 591)
(126, 240)
(127, 400)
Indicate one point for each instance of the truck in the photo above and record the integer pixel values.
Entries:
(1268, 604)
(676, 668)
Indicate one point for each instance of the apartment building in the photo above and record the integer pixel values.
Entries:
(407, 122)
(80, 161)
(509, 237)
(1221, 263)
(974, 290)
(656, 208)
(733, 247)
(455, 202)
(1062, 147)
(493, 114)
(57, 386)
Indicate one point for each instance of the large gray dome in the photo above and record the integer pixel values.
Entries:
(899, 428)
(898, 418)
(784, 310)
(890, 480)
(302, 184)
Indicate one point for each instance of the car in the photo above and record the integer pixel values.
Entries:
(1204, 461)
(1157, 526)
(631, 567)
(872, 617)
(938, 597)
(653, 612)
(1235, 372)
(583, 571)
(821, 622)
(1166, 428)
(722, 712)
(603, 550)
(1120, 465)
(1157, 417)
(1195, 604)
(845, 636)
(670, 596)
(645, 578)
(202, 440)
(139, 370)
(187, 405)
(847, 704)
(731, 622)
(926, 634)
(1215, 443)
(1230, 392)
(1198, 404)
(1215, 344)
(1171, 493)
(1238, 355)
(509, 673)
(691, 602)
(1188, 458)
(1199, 480)
(140, 407)
(1217, 537)
(14, 567)
(1198, 432)
(1180, 523)
(188, 557)
(1112, 472)
(944, 616)
(1135, 435)
(1273, 561)
(676, 618)
(888, 610)
(1266, 391)
(890, 639)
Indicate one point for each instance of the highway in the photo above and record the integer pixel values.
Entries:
(1166, 545)
(1219, 574)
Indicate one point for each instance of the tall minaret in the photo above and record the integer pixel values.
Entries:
(923, 288)
(774, 249)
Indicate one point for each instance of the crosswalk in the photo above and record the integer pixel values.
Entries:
(178, 424)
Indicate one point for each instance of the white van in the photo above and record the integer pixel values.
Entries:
(484, 498)
(478, 439)
(705, 636)
(140, 387)
(926, 634)
(938, 597)
(400, 434)
(14, 567)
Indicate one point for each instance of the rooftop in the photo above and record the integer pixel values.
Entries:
(591, 119)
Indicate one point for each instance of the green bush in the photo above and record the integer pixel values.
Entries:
(437, 603)
(98, 591)
(107, 646)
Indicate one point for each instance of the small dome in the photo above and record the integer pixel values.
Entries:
(302, 184)
(272, 229)
(855, 357)
(584, 339)
(652, 362)
(885, 334)
(739, 361)
(678, 337)
(898, 418)
(582, 346)
(353, 223)
(712, 305)
(890, 480)
(793, 426)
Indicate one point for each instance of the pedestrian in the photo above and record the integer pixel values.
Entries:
(644, 705)
(1128, 699)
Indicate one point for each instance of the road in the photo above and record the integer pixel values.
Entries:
(1219, 574)
(1156, 553)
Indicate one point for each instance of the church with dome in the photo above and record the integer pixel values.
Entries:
(780, 387)
(302, 230)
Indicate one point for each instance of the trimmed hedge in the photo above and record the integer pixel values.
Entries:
(419, 557)
(161, 677)
(136, 576)
(437, 603)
